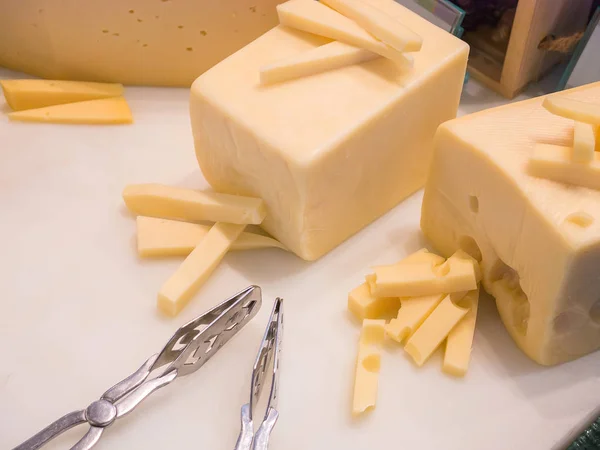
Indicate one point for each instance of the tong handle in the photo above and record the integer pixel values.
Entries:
(244, 441)
(261, 438)
(53, 430)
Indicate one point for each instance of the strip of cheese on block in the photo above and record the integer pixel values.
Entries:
(321, 59)
(367, 132)
(30, 94)
(430, 335)
(197, 267)
(106, 111)
(314, 17)
(368, 363)
(539, 240)
(584, 142)
(578, 110)
(554, 162)
(381, 25)
(163, 237)
(364, 306)
(460, 340)
(159, 200)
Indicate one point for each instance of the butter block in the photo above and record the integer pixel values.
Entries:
(578, 110)
(584, 142)
(368, 364)
(460, 340)
(539, 240)
(362, 132)
(365, 306)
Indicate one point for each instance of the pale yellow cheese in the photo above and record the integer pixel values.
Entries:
(321, 59)
(412, 313)
(381, 25)
(158, 200)
(366, 132)
(428, 337)
(30, 94)
(163, 237)
(539, 240)
(578, 110)
(364, 306)
(368, 363)
(197, 267)
(554, 162)
(460, 340)
(95, 112)
(314, 17)
(584, 142)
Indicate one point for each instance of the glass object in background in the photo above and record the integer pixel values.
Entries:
(442, 13)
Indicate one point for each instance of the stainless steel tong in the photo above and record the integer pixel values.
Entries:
(267, 361)
(190, 348)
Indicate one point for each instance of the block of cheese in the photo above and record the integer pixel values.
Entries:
(316, 18)
(364, 306)
(383, 26)
(163, 237)
(460, 340)
(159, 200)
(412, 313)
(579, 110)
(321, 59)
(539, 240)
(30, 94)
(106, 111)
(363, 132)
(555, 162)
(429, 336)
(168, 42)
(197, 267)
(368, 363)
(584, 142)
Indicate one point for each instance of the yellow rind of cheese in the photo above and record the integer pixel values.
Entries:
(412, 313)
(197, 267)
(584, 142)
(381, 25)
(428, 337)
(316, 18)
(460, 340)
(333, 55)
(364, 306)
(368, 363)
(573, 109)
(105, 111)
(31, 94)
(169, 202)
(554, 162)
(164, 237)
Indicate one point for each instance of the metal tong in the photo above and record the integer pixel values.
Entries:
(190, 348)
(269, 352)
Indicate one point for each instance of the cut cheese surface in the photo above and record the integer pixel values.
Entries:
(197, 267)
(158, 200)
(314, 17)
(412, 313)
(460, 340)
(163, 237)
(554, 162)
(428, 337)
(381, 25)
(364, 306)
(333, 55)
(578, 110)
(106, 111)
(584, 142)
(368, 363)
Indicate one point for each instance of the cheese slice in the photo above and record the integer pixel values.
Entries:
(364, 306)
(197, 267)
(30, 94)
(460, 340)
(381, 25)
(94, 112)
(584, 142)
(158, 200)
(163, 237)
(368, 363)
(333, 55)
(428, 337)
(412, 313)
(554, 162)
(314, 17)
(581, 111)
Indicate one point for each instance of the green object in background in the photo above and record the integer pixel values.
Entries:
(589, 439)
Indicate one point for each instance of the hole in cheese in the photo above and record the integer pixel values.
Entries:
(580, 219)
(474, 203)
(131, 11)
(595, 312)
(468, 245)
(180, 27)
(204, 32)
(372, 363)
(190, 49)
(510, 284)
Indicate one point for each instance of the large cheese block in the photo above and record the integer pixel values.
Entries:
(538, 240)
(148, 42)
(331, 152)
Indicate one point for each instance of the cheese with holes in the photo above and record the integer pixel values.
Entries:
(106, 111)
(30, 94)
(142, 42)
(362, 132)
(412, 313)
(459, 342)
(584, 142)
(368, 363)
(583, 110)
(163, 237)
(538, 239)
(197, 267)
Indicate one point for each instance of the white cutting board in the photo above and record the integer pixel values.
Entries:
(78, 314)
